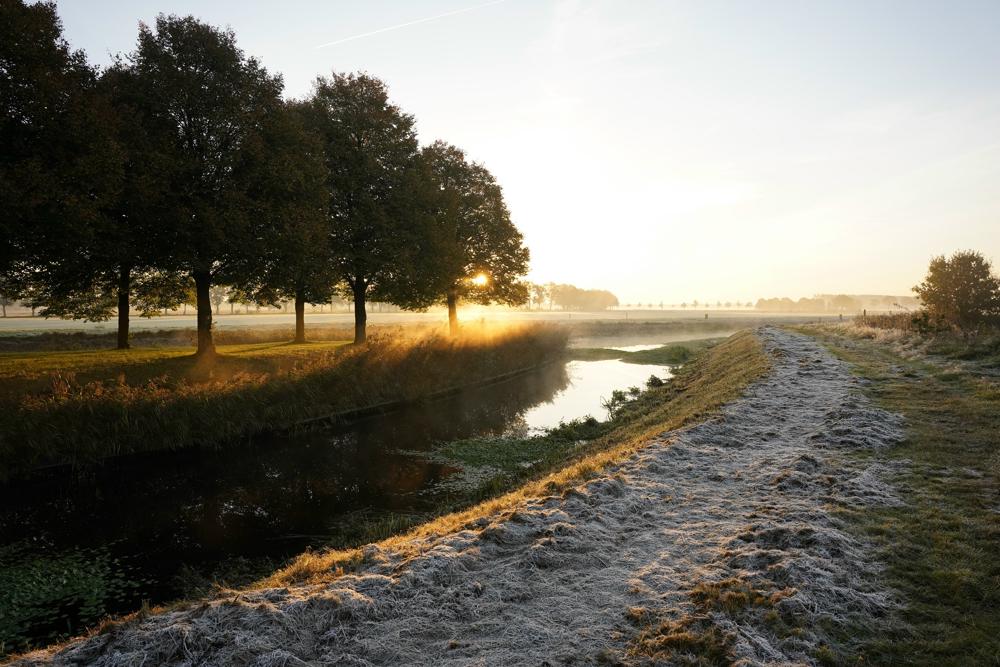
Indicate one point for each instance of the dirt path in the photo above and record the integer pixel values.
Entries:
(743, 499)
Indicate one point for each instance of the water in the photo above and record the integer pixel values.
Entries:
(151, 527)
(636, 348)
(589, 382)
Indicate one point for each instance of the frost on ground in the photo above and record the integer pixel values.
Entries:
(742, 502)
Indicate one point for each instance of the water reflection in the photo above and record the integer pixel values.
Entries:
(590, 382)
(636, 348)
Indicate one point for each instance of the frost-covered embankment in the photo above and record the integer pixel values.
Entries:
(744, 500)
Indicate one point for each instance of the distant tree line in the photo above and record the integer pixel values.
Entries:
(841, 303)
(569, 297)
(180, 168)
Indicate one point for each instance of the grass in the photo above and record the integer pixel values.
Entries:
(941, 549)
(561, 459)
(80, 407)
(982, 346)
(667, 355)
(695, 640)
(714, 378)
(55, 341)
(26, 372)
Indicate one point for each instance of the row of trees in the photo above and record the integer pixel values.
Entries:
(841, 303)
(181, 167)
(569, 297)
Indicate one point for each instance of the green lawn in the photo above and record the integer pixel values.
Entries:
(942, 550)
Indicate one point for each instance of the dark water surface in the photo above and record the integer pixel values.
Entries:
(74, 549)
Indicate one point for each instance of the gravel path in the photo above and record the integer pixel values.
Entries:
(745, 498)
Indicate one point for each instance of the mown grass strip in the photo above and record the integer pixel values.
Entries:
(941, 549)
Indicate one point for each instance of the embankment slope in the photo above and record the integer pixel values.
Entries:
(719, 539)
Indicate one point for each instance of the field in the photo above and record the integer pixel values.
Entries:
(78, 407)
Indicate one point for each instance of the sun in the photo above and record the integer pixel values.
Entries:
(479, 280)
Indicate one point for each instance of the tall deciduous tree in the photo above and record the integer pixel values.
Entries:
(292, 236)
(371, 148)
(961, 289)
(59, 168)
(212, 101)
(113, 265)
(479, 253)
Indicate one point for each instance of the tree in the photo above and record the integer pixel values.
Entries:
(479, 254)
(218, 294)
(960, 290)
(211, 102)
(539, 293)
(293, 250)
(844, 302)
(116, 256)
(8, 295)
(371, 150)
(60, 168)
(571, 297)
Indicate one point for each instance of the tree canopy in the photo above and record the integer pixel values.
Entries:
(212, 103)
(961, 290)
(478, 253)
(179, 170)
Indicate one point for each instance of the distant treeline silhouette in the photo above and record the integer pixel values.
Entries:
(569, 297)
(836, 303)
(179, 168)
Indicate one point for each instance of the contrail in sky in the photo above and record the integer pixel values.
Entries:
(409, 23)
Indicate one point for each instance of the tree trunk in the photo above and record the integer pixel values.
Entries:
(300, 317)
(360, 314)
(124, 287)
(202, 284)
(232, 308)
(452, 312)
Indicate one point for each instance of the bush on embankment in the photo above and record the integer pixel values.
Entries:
(78, 423)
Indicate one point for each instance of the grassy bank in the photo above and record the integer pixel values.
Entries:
(499, 478)
(575, 452)
(76, 408)
(940, 549)
(54, 341)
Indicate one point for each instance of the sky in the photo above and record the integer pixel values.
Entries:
(672, 151)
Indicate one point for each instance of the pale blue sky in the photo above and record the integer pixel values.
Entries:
(676, 150)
